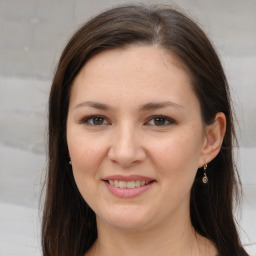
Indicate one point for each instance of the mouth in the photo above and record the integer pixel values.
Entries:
(128, 187)
(128, 184)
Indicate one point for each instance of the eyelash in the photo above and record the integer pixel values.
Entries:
(88, 120)
(165, 118)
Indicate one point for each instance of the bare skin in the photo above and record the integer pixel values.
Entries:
(133, 113)
(182, 242)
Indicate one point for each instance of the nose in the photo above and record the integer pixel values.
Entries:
(126, 147)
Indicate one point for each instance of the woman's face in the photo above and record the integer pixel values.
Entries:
(135, 136)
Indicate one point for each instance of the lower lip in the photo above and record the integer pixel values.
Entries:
(128, 192)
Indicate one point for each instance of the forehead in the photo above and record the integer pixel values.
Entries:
(139, 55)
(133, 71)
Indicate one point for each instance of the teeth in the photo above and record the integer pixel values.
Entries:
(128, 184)
(137, 183)
(122, 184)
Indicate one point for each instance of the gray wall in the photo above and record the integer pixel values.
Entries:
(32, 36)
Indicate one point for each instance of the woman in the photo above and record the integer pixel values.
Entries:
(140, 141)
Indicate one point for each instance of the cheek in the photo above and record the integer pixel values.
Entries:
(87, 155)
(85, 151)
(177, 156)
(176, 162)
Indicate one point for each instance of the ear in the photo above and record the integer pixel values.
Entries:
(214, 134)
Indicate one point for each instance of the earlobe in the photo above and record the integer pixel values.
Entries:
(214, 135)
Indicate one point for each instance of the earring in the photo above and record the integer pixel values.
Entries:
(70, 162)
(205, 178)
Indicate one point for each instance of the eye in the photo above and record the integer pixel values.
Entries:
(160, 121)
(95, 121)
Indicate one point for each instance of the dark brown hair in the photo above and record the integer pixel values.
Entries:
(69, 225)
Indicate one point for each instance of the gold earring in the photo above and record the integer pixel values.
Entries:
(205, 178)
(70, 162)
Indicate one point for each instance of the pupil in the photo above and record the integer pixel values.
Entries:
(97, 120)
(159, 121)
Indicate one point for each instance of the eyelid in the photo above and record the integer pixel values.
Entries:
(85, 120)
(168, 119)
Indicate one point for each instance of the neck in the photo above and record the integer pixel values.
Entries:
(174, 238)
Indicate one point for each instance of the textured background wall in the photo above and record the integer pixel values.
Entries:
(32, 36)
(33, 33)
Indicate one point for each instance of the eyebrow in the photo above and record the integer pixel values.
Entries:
(93, 104)
(146, 107)
(158, 105)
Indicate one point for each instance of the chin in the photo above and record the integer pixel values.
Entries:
(126, 219)
(128, 224)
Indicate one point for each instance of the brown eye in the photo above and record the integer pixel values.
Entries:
(159, 121)
(97, 120)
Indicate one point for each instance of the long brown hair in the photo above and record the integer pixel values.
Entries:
(69, 225)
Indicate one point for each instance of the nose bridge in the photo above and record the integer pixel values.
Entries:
(126, 147)
(126, 137)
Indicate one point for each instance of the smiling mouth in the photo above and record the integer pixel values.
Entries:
(128, 184)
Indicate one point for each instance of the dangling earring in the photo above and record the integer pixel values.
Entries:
(205, 178)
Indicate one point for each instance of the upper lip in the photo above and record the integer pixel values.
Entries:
(128, 178)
